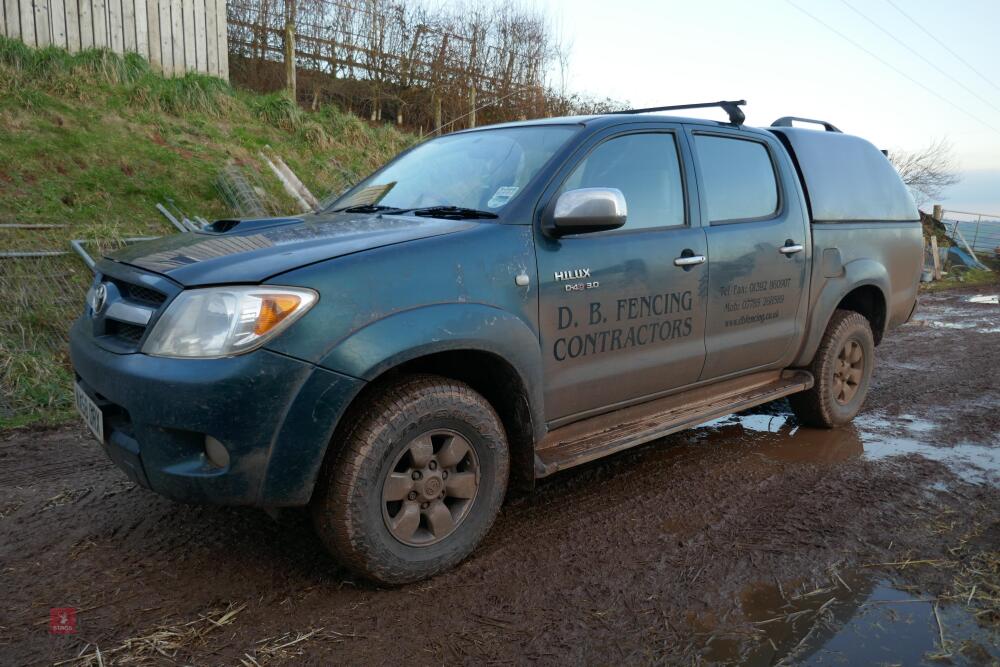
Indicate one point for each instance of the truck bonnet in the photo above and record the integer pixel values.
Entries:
(254, 250)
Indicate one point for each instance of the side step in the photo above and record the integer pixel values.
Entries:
(605, 434)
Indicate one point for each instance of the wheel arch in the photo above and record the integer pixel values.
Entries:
(488, 374)
(867, 300)
(493, 351)
(862, 287)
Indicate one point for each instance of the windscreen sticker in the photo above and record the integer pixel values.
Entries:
(502, 196)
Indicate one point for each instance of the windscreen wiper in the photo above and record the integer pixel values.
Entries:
(453, 213)
(369, 208)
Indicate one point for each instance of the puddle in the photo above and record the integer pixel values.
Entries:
(882, 437)
(963, 316)
(979, 325)
(992, 298)
(855, 619)
(777, 437)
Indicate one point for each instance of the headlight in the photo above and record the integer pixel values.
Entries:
(224, 321)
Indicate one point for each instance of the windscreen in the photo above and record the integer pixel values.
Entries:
(478, 170)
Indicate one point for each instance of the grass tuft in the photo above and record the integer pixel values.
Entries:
(16, 53)
(313, 133)
(191, 93)
(277, 110)
(51, 63)
(109, 67)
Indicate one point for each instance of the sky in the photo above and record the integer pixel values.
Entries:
(786, 63)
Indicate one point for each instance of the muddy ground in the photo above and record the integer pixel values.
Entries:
(746, 540)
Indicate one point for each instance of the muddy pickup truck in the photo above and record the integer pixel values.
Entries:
(489, 308)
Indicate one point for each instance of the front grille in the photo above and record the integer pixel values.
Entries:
(131, 333)
(123, 325)
(140, 293)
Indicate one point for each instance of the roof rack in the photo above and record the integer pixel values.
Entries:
(786, 121)
(731, 107)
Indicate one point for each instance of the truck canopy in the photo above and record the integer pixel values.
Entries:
(846, 178)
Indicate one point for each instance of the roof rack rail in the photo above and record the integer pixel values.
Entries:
(786, 121)
(731, 107)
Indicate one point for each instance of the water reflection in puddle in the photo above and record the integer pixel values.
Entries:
(976, 462)
(776, 436)
(968, 316)
(855, 619)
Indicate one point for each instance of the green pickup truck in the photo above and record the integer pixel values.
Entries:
(491, 307)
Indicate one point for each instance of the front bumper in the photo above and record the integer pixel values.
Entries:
(274, 414)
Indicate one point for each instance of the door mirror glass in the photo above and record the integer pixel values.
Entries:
(589, 210)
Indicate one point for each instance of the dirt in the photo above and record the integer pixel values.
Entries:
(749, 540)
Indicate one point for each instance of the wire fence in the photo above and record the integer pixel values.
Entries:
(44, 283)
(43, 294)
(980, 230)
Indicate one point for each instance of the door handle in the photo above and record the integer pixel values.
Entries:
(791, 249)
(689, 260)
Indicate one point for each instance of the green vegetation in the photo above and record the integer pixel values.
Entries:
(93, 141)
(963, 278)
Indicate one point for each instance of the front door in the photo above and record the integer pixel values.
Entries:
(758, 248)
(619, 320)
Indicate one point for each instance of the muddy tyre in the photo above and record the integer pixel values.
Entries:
(842, 368)
(417, 482)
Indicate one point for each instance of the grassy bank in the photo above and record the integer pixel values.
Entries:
(92, 142)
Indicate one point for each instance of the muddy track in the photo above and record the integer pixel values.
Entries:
(35, 464)
(680, 551)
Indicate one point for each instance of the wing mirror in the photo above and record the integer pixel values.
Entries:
(589, 210)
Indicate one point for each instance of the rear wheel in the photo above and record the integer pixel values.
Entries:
(417, 483)
(842, 368)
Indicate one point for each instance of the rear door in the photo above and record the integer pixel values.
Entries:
(619, 320)
(758, 249)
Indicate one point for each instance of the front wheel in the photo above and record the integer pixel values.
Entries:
(417, 483)
(842, 369)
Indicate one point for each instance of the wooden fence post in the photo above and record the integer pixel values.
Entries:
(472, 106)
(290, 57)
(936, 256)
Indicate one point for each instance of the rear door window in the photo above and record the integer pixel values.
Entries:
(645, 167)
(738, 178)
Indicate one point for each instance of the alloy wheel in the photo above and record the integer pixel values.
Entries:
(848, 372)
(430, 488)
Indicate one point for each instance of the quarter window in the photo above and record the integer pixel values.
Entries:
(646, 169)
(738, 178)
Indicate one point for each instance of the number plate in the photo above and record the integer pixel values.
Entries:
(90, 412)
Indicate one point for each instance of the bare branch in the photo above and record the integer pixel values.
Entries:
(929, 171)
(383, 58)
